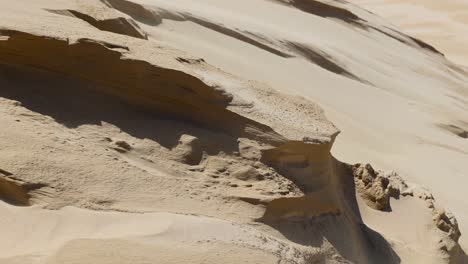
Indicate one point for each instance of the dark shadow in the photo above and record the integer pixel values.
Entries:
(320, 58)
(72, 103)
(5, 173)
(147, 16)
(425, 45)
(341, 234)
(324, 10)
(15, 192)
(239, 35)
(136, 11)
(118, 25)
(317, 57)
(346, 232)
(402, 39)
(378, 247)
(153, 89)
(334, 12)
(152, 17)
(455, 130)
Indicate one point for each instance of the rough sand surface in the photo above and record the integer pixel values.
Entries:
(192, 131)
(388, 98)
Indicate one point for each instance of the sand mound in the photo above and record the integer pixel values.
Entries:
(374, 189)
(288, 194)
(189, 150)
(186, 159)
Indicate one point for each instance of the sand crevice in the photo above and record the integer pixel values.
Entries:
(136, 11)
(118, 25)
(455, 130)
(17, 192)
(320, 58)
(322, 9)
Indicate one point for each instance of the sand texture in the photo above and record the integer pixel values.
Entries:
(216, 131)
(442, 23)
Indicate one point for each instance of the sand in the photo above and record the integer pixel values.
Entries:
(216, 131)
(390, 118)
(441, 24)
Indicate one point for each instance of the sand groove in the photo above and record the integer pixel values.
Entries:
(118, 25)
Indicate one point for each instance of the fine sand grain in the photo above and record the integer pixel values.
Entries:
(216, 131)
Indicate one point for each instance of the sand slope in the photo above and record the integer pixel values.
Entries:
(443, 24)
(185, 131)
(391, 95)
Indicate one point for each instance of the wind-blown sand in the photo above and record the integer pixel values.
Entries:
(180, 131)
(390, 118)
(442, 23)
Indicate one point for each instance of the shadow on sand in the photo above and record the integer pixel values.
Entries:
(74, 103)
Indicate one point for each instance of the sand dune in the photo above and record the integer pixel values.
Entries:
(406, 119)
(186, 131)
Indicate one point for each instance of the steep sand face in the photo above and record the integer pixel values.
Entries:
(170, 92)
(387, 91)
(120, 148)
(444, 24)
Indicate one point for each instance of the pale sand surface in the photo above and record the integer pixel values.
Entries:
(192, 132)
(391, 123)
(416, 231)
(441, 23)
(82, 236)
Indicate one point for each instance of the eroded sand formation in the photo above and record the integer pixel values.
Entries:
(122, 149)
